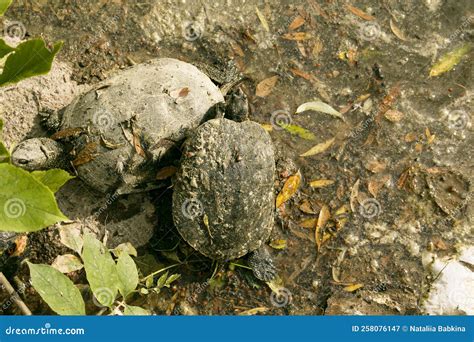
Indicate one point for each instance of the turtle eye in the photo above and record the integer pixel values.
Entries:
(22, 161)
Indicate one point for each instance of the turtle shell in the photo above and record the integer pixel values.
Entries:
(223, 198)
(133, 120)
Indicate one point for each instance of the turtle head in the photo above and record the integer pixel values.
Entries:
(38, 154)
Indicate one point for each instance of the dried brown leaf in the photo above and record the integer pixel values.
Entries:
(67, 133)
(319, 183)
(262, 19)
(319, 148)
(265, 87)
(300, 73)
(396, 31)
(376, 183)
(308, 223)
(393, 115)
(296, 23)
(375, 166)
(353, 287)
(360, 13)
(289, 189)
(166, 172)
(323, 218)
(306, 207)
(297, 36)
(87, 154)
(354, 195)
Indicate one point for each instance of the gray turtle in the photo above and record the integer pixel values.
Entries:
(223, 198)
(119, 131)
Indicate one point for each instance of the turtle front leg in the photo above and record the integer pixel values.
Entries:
(262, 264)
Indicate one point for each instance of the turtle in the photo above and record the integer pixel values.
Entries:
(223, 193)
(118, 133)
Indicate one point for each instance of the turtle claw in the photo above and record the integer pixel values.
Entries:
(262, 264)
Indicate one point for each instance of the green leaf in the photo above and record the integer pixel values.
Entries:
(71, 236)
(131, 310)
(5, 49)
(54, 179)
(449, 60)
(57, 290)
(162, 280)
(67, 263)
(4, 154)
(100, 269)
(125, 247)
(127, 274)
(31, 58)
(172, 278)
(4, 4)
(297, 130)
(26, 205)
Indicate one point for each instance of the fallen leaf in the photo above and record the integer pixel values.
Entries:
(67, 263)
(449, 60)
(306, 207)
(87, 154)
(375, 166)
(253, 311)
(267, 127)
(265, 87)
(319, 183)
(297, 36)
(308, 223)
(298, 72)
(317, 48)
(166, 172)
(262, 20)
(138, 146)
(360, 13)
(67, 133)
(299, 131)
(289, 189)
(20, 245)
(353, 287)
(396, 31)
(393, 115)
(278, 244)
(125, 247)
(237, 49)
(410, 137)
(342, 210)
(323, 218)
(354, 195)
(439, 244)
(182, 92)
(296, 23)
(429, 137)
(301, 48)
(319, 106)
(319, 148)
(376, 183)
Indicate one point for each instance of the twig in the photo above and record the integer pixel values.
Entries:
(14, 296)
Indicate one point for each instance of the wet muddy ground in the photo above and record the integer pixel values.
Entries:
(400, 163)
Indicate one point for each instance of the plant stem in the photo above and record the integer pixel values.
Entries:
(159, 271)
